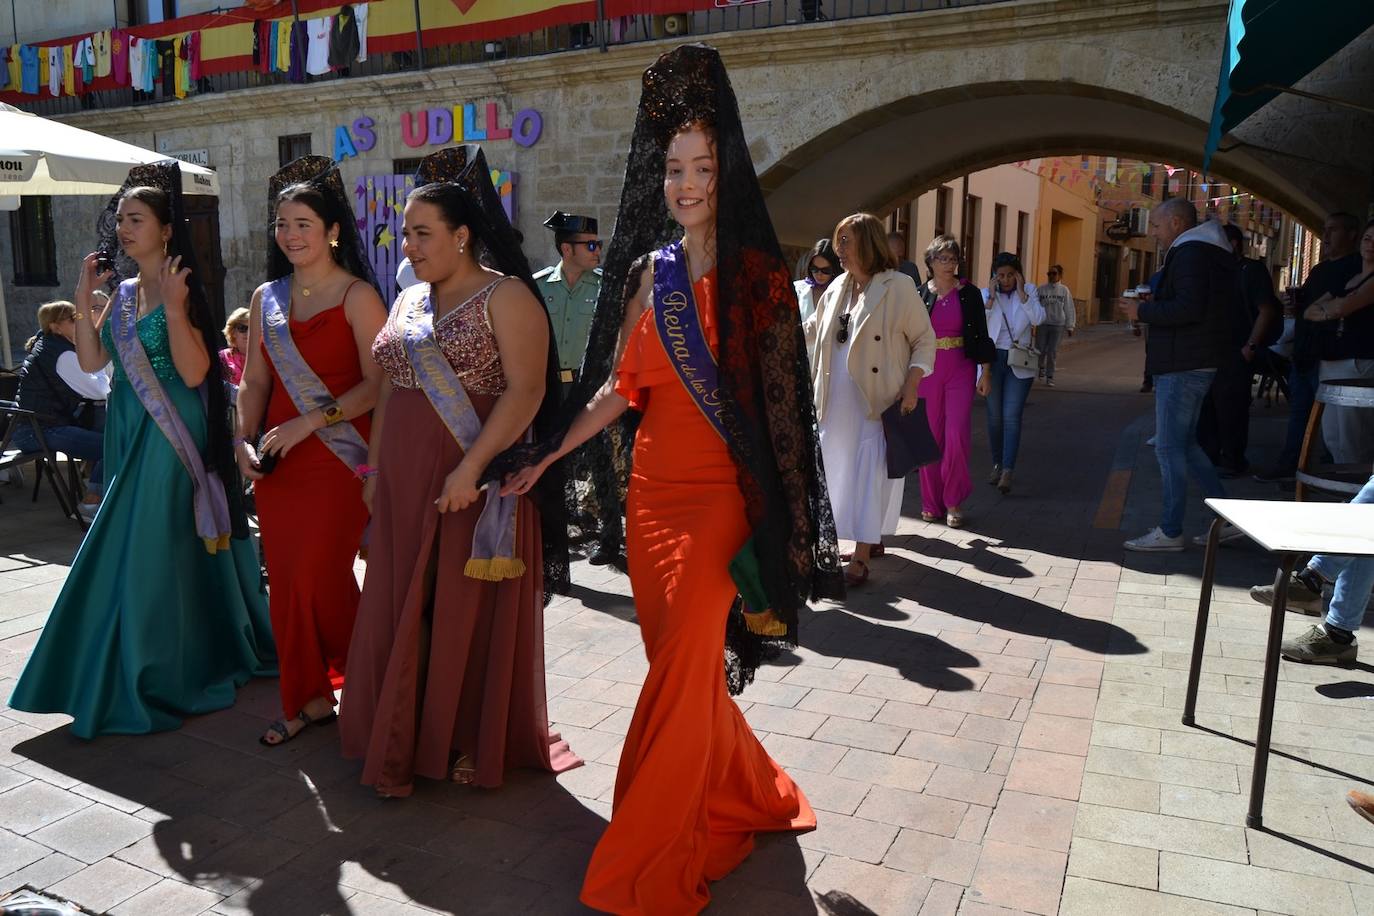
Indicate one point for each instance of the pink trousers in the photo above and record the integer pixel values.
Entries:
(948, 396)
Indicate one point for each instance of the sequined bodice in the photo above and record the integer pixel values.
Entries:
(152, 332)
(466, 339)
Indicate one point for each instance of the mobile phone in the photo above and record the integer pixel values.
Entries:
(104, 263)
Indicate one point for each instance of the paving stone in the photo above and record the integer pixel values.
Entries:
(1083, 897)
(104, 885)
(1033, 820)
(775, 719)
(1114, 862)
(1126, 737)
(824, 678)
(891, 688)
(965, 785)
(1061, 734)
(35, 804)
(1158, 831)
(851, 837)
(1298, 816)
(93, 833)
(1045, 773)
(884, 769)
(16, 852)
(959, 752)
(874, 888)
(974, 824)
(775, 694)
(46, 872)
(583, 713)
(920, 718)
(168, 898)
(833, 793)
(927, 813)
(936, 857)
(1156, 768)
(855, 733)
(983, 704)
(1120, 792)
(831, 703)
(942, 900)
(799, 754)
(993, 731)
(1243, 885)
(1019, 877)
(1065, 700)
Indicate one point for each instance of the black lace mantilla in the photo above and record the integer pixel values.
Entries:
(763, 362)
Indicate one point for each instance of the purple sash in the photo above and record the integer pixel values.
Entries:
(678, 321)
(302, 384)
(211, 505)
(493, 540)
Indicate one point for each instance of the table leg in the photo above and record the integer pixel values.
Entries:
(1254, 818)
(1204, 608)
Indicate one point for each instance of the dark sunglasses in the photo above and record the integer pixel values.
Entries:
(820, 269)
(843, 335)
(592, 244)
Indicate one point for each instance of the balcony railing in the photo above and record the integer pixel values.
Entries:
(578, 37)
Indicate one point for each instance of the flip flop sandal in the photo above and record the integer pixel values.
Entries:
(279, 727)
(874, 552)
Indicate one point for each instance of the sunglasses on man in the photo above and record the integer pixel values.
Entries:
(592, 244)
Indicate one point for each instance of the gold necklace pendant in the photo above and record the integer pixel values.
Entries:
(305, 292)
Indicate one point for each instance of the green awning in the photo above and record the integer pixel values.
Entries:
(1270, 45)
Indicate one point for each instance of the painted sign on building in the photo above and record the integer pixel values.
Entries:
(468, 122)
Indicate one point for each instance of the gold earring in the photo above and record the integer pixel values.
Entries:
(164, 248)
(333, 243)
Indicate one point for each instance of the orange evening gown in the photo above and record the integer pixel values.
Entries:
(312, 518)
(694, 783)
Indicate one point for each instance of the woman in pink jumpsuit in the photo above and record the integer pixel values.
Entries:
(956, 314)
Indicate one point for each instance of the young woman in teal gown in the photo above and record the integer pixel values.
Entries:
(163, 614)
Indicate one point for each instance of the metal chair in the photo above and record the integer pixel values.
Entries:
(12, 417)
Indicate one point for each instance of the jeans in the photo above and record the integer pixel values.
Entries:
(72, 441)
(1354, 578)
(1047, 338)
(1006, 399)
(1302, 394)
(1178, 402)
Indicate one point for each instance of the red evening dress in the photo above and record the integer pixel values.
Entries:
(312, 516)
(694, 784)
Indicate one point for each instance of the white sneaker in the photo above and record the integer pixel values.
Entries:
(1155, 541)
(1229, 533)
(88, 511)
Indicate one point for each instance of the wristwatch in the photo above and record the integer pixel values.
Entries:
(333, 413)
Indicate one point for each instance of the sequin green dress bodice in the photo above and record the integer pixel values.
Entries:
(152, 332)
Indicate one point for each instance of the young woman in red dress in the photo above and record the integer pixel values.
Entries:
(310, 381)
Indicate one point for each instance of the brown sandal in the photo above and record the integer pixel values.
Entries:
(874, 552)
(464, 773)
(854, 580)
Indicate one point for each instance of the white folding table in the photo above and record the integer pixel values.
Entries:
(1290, 530)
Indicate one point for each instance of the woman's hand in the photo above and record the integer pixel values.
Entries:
(369, 492)
(984, 383)
(172, 280)
(1022, 287)
(524, 479)
(460, 489)
(909, 397)
(281, 439)
(91, 277)
(247, 459)
(1324, 309)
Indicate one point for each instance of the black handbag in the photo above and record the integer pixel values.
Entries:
(910, 443)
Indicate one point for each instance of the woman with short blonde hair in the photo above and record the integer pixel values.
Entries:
(871, 344)
(234, 356)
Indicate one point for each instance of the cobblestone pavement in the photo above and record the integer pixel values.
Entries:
(991, 726)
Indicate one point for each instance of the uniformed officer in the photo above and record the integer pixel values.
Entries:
(571, 286)
(570, 289)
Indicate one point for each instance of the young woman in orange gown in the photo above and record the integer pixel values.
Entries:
(694, 784)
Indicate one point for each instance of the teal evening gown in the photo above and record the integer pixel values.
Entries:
(149, 627)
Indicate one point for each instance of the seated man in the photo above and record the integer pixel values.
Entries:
(1352, 578)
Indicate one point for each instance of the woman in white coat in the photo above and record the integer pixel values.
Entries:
(818, 269)
(871, 343)
(1013, 311)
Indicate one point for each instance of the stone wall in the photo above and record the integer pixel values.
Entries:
(859, 114)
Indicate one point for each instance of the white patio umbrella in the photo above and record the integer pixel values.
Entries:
(39, 156)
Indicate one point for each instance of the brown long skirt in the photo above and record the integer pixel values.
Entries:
(441, 664)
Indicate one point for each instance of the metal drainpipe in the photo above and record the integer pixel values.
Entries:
(419, 44)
